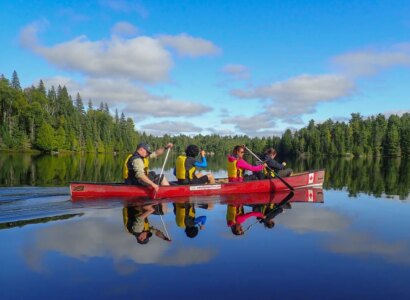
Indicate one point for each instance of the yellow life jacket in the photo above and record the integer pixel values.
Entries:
(180, 213)
(232, 212)
(268, 172)
(233, 170)
(181, 172)
(128, 170)
(130, 219)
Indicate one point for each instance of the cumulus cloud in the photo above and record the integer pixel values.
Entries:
(236, 71)
(140, 58)
(87, 239)
(257, 125)
(186, 45)
(364, 244)
(299, 95)
(166, 127)
(221, 131)
(132, 98)
(124, 29)
(312, 218)
(371, 62)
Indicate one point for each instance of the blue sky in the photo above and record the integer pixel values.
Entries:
(225, 67)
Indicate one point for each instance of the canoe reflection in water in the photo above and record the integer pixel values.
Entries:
(264, 207)
(136, 221)
(185, 217)
(264, 213)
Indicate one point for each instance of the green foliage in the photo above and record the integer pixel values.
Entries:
(35, 118)
(46, 137)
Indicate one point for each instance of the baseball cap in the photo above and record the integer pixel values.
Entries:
(145, 146)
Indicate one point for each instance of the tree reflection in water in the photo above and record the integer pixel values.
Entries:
(375, 176)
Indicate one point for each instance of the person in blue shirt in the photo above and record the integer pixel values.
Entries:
(186, 165)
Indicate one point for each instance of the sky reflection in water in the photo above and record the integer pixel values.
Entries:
(338, 247)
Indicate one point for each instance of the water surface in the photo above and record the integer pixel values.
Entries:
(349, 240)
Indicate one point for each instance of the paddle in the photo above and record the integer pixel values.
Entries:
(271, 213)
(276, 174)
(155, 194)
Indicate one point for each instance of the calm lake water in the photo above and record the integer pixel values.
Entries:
(350, 239)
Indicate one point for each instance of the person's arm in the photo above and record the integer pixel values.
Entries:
(244, 165)
(242, 218)
(201, 164)
(273, 164)
(138, 166)
(160, 151)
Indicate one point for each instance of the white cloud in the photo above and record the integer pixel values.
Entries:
(236, 71)
(167, 127)
(87, 239)
(299, 95)
(28, 34)
(140, 58)
(288, 100)
(189, 46)
(313, 218)
(257, 125)
(124, 29)
(371, 62)
(129, 97)
(364, 244)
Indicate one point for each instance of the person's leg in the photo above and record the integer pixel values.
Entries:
(285, 172)
(211, 179)
(164, 181)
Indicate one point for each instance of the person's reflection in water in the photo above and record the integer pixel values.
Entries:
(185, 217)
(236, 216)
(272, 210)
(135, 219)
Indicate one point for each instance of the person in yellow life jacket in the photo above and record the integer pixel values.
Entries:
(136, 222)
(136, 167)
(185, 218)
(187, 164)
(237, 165)
(236, 216)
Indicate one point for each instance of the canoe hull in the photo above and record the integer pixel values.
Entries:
(84, 190)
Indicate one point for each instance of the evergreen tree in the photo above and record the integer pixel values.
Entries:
(90, 104)
(79, 104)
(15, 82)
(391, 144)
(41, 88)
(405, 134)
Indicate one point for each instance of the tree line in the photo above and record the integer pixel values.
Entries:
(34, 118)
(378, 176)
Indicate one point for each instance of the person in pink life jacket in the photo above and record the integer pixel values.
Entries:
(237, 165)
(236, 216)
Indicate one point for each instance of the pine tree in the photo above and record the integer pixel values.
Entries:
(405, 134)
(90, 105)
(79, 104)
(15, 82)
(391, 144)
(41, 88)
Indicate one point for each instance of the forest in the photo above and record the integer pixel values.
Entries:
(35, 118)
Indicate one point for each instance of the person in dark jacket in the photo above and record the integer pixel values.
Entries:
(268, 157)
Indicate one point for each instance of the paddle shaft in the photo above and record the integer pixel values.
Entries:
(276, 174)
(155, 194)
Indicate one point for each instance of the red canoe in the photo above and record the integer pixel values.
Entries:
(82, 190)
